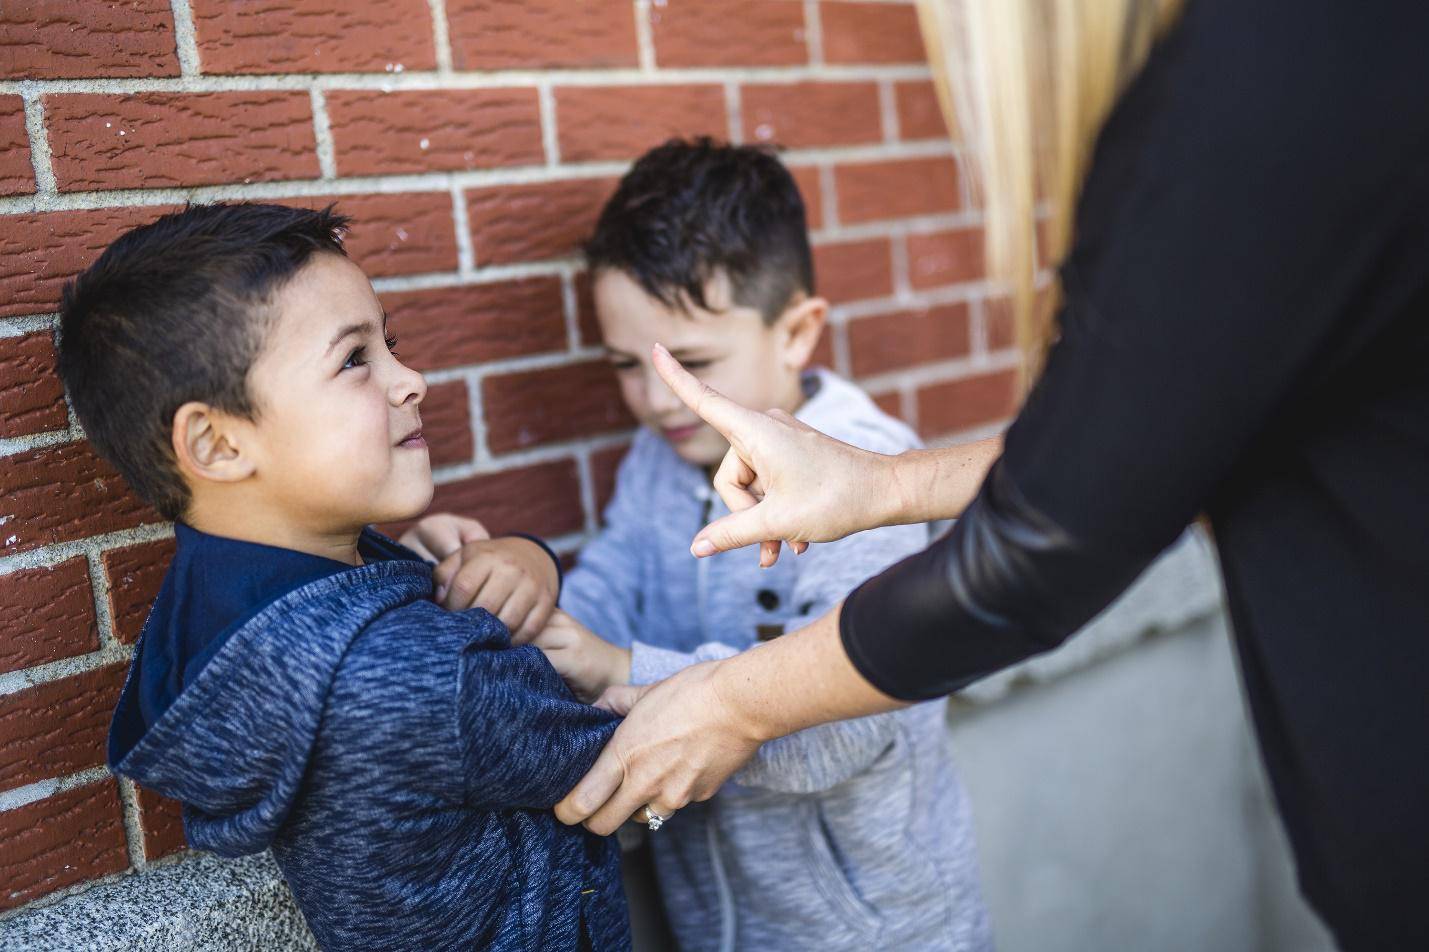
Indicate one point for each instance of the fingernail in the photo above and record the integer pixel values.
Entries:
(702, 548)
(441, 592)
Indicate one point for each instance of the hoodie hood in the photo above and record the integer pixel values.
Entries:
(842, 410)
(234, 745)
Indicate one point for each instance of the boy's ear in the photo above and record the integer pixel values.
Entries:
(207, 444)
(803, 324)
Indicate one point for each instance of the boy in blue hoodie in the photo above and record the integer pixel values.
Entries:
(295, 686)
(854, 835)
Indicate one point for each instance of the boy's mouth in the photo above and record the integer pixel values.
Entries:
(413, 440)
(678, 434)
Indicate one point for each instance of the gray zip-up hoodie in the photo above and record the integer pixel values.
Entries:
(854, 835)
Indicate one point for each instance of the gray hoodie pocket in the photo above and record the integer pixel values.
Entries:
(830, 877)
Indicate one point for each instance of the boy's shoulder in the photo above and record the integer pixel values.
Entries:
(842, 410)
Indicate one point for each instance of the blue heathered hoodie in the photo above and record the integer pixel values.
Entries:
(399, 760)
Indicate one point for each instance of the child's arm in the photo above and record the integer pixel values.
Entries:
(525, 740)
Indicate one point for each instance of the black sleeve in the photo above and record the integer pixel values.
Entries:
(1242, 197)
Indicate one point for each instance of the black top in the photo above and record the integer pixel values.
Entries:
(1246, 334)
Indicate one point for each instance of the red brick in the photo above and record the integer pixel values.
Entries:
(823, 355)
(161, 821)
(539, 34)
(945, 257)
(908, 338)
(471, 323)
(586, 317)
(961, 404)
(890, 402)
(59, 841)
(17, 175)
(64, 492)
(620, 122)
(39, 251)
(724, 33)
(532, 222)
(919, 114)
(557, 403)
(604, 464)
(807, 178)
(46, 614)
(57, 728)
(377, 133)
(56, 39)
(807, 115)
(854, 270)
(401, 233)
(446, 423)
(31, 396)
(871, 33)
(313, 36)
(133, 575)
(1001, 328)
(896, 188)
(154, 140)
(544, 499)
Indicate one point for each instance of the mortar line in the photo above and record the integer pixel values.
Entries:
(185, 39)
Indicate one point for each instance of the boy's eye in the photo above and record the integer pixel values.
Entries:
(355, 359)
(391, 341)
(623, 365)
(696, 364)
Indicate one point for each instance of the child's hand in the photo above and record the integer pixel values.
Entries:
(513, 578)
(439, 535)
(588, 663)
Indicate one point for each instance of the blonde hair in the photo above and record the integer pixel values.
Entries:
(1026, 86)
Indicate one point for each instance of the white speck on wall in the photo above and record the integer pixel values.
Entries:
(764, 131)
(388, 67)
(398, 68)
(401, 234)
(425, 144)
(108, 125)
(12, 540)
(121, 132)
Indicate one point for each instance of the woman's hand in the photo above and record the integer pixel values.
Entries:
(783, 479)
(682, 742)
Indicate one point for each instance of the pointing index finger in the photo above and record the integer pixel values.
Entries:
(720, 412)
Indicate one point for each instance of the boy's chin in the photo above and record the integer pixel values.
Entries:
(408, 504)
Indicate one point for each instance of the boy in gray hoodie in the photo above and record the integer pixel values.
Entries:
(853, 835)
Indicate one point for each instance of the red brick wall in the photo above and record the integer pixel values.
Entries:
(473, 141)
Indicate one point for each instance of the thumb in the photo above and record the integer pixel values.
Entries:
(734, 531)
(618, 699)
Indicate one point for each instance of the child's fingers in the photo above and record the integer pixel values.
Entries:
(514, 610)
(496, 591)
(540, 615)
(618, 699)
(440, 535)
(458, 582)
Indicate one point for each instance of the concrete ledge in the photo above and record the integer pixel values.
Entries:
(203, 904)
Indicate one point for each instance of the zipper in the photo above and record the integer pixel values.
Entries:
(721, 878)
(702, 566)
(706, 494)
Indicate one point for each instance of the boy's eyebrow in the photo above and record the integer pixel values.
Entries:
(363, 328)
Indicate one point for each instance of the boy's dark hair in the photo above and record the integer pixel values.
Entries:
(688, 210)
(174, 311)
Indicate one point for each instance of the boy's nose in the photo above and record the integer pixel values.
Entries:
(409, 385)
(660, 398)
